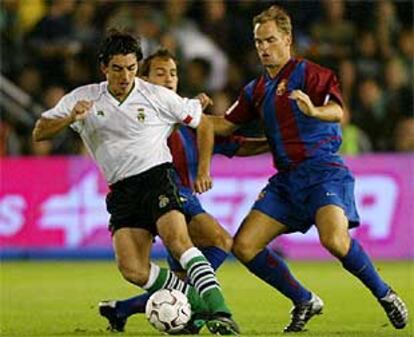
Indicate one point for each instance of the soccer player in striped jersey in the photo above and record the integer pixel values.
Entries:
(125, 122)
(206, 233)
(301, 106)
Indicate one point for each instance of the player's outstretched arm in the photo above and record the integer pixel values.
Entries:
(205, 142)
(47, 128)
(222, 127)
(330, 112)
(253, 146)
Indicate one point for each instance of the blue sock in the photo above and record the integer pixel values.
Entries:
(358, 263)
(273, 270)
(214, 255)
(132, 305)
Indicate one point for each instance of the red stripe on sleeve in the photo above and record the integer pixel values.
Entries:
(188, 119)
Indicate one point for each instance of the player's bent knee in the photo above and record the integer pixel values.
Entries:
(223, 241)
(337, 245)
(243, 250)
(134, 275)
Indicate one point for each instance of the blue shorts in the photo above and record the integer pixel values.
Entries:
(293, 197)
(192, 207)
(191, 204)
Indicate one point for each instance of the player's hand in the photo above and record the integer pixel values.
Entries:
(304, 102)
(203, 183)
(204, 99)
(81, 110)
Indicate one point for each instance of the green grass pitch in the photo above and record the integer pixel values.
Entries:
(59, 299)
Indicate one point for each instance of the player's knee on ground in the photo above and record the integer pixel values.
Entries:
(134, 272)
(336, 243)
(243, 249)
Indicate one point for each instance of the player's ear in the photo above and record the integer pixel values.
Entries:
(288, 39)
(104, 68)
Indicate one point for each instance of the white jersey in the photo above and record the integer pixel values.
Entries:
(129, 137)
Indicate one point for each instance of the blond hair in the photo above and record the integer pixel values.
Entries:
(278, 15)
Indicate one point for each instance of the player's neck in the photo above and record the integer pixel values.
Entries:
(273, 70)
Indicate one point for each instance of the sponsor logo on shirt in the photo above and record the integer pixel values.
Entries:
(141, 115)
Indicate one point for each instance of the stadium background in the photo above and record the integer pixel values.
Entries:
(52, 196)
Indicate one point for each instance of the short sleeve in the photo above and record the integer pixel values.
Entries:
(63, 109)
(321, 85)
(177, 109)
(242, 111)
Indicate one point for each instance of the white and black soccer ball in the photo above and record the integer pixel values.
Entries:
(168, 310)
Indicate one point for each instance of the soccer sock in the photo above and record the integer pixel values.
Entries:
(358, 263)
(202, 276)
(132, 305)
(214, 255)
(161, 278)
(274, 271)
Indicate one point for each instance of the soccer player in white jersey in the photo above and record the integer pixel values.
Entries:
(124, 122)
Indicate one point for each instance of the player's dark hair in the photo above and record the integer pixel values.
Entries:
(278, 15)
(119, 42)
(162, 53)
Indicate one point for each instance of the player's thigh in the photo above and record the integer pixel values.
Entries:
(172, 229)
(205, 231)
(332, 225)
(255, 233)
(132, 248)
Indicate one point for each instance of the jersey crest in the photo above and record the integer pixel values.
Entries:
(281, 87)
(141, 115)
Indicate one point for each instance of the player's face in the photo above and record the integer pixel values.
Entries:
(272, 45)
(163, 71)
(120, 74)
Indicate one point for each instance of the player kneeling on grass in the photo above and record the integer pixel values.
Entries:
(214, 242)
(125, 122)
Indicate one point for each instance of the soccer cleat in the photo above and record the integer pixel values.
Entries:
(222, 324)
(193, 327)
(302, 313)
(108, 310)
(395, 309)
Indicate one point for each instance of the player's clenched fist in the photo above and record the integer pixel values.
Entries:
(203, 183)
(205, 100)
(80, 110)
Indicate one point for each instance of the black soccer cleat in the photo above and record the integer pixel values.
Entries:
(222, 324)
(395, 309)
(108, 310)
(302, 313)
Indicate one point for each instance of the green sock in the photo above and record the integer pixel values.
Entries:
(203, 278)
(167, 280)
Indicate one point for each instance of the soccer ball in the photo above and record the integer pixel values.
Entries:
(168, 310)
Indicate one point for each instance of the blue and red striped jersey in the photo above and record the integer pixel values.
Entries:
(183, 145)
(293, 137)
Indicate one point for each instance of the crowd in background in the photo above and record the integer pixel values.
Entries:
(49, 47)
